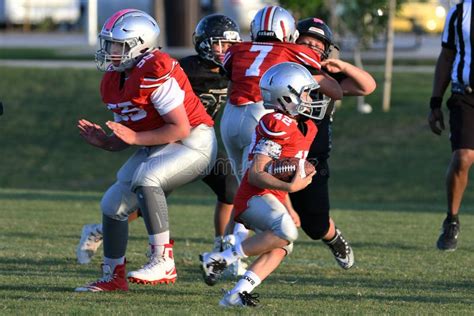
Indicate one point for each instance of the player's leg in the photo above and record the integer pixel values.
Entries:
(275, 228)
(461, 120)
(276, 232)
(117, 202)
(167, 168)
(91, 239)
(250, 116)
(312, 205)
(224, 184)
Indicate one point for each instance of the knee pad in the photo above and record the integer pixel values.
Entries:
(285, 228)
(118, 202)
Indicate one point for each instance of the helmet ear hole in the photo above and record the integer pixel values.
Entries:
(287, 99)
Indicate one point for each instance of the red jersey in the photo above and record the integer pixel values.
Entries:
(131, 99)
(276, 136)
(246, 62)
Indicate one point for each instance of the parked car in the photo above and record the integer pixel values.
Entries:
(243, 11)
(416, 16)
(34, 12)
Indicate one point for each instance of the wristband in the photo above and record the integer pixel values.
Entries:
(435, 102)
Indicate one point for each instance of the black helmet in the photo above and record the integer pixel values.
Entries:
(316, 28)
(212, 28)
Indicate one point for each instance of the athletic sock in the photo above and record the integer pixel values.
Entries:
(233, 254)
(112, 263)
(247, 283)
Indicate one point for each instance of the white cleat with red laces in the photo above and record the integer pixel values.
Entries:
(159, 269)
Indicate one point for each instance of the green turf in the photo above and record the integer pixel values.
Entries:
(387, 189)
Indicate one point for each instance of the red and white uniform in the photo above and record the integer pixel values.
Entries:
(156, 86)
(276, 136)
(246, 62)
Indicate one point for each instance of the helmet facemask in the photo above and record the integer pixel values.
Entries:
(206, 47)
(120, 59)
(308, 102)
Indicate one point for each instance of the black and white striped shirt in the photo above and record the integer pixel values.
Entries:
(459, 36)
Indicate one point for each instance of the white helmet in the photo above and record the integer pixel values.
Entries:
(273, 22)
(137, 33)
(290, 88)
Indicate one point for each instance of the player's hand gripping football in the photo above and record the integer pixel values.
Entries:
(92, 133)
(299, 183)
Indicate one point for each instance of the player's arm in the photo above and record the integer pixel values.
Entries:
(442, 75)
(329, 86)
(262, 179)
(177, 127)
(168, 100)
(357, 82)
(441, 81)
(94, 135)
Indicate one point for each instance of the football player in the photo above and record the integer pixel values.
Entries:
(156, 110)
(312, 203)
(273, 33)
(213, 35)
(262, 202)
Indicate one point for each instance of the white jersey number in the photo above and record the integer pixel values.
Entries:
(254, 69)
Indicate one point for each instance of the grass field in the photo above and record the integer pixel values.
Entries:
(387, 188)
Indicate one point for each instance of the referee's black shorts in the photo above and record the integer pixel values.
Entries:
(461, 121)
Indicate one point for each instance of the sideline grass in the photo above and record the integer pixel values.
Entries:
(387, 188)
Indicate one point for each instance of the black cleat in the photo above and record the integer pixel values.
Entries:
(341, 250)
(212, 266)
(240, 299)
(448, 239)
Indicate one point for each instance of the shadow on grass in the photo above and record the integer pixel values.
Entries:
(410, 298)
(47, 196)
(383, 285)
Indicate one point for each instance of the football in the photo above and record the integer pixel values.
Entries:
(284, 169)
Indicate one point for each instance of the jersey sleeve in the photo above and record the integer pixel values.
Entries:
(305, 56)
(273, 132)
(158, 81)
(448, 36)
(167, 96)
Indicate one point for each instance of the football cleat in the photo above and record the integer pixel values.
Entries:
(212, 266)
(341, 250)
(91, 239)
(237, 268)
(218, 244)
(159, 269)
(110, 281)
(239, 299)
(448, 239)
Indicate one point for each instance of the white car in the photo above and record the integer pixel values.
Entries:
(243, 11)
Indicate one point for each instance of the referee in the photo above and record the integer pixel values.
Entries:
(455, 65)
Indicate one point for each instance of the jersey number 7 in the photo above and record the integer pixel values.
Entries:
(254, 69)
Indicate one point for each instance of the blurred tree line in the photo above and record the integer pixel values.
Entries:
(364, 19)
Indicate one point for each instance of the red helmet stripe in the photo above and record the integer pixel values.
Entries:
(282, 24)
(268, 17)
(111, 22)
